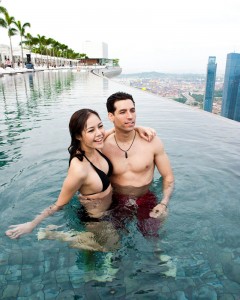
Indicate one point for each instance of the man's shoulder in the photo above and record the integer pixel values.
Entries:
(157, 140)
(158, 144)
(155, 147)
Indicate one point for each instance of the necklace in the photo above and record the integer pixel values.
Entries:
(126, 155)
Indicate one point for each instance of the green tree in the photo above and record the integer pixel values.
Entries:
(29, 41)
(48, 43)
(6, 22)
(56, 46)
(41, 39)
(63, 48)
(115, 62)
(21, 29)
(82, 55)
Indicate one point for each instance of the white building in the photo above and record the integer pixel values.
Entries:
(36, 59)
(4, 53)
(95, 49)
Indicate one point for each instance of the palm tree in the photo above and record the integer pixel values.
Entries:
(56, 46)
(63, 48)
(21, 30)
(41, 42)
(48, 43)
(6, 23)
(29, 42)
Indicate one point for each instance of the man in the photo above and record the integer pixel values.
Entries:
(134, 160)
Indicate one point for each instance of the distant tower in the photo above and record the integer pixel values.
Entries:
(210, 84)
(95, 49)
(231, 88)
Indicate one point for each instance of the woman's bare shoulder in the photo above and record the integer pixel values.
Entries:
(78, 168)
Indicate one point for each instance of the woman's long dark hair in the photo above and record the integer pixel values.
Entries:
(76, 126)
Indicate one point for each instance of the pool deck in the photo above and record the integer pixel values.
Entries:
(100, 71)
(13, 71)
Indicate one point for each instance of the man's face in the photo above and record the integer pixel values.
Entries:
(124, 116)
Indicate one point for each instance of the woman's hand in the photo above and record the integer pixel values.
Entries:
(146, 133)
(17, 230)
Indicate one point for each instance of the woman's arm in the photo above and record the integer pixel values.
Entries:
(146, 133)
(15, 231)
(109, 132)
(69, 188)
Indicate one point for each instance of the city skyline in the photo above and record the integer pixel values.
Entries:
(171, 37)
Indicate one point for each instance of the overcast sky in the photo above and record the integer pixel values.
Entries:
(155, 35)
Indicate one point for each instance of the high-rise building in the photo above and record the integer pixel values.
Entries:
(95, 49)
(231, 88)
(210, 84)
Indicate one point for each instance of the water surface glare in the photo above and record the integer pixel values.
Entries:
(198, 253)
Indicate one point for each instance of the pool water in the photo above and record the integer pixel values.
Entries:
(197, 255)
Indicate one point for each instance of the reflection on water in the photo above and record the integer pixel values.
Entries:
(197, 254)
(21, 108)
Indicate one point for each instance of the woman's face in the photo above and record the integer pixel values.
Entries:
(93, 133)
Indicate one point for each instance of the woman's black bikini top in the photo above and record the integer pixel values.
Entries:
(104, 178)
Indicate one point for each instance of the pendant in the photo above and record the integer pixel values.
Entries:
(126, 155)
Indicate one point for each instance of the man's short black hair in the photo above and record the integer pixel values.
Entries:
(117, 97)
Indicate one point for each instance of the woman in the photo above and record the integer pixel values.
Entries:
(89, 172)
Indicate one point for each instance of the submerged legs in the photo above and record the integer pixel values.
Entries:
(101, 236)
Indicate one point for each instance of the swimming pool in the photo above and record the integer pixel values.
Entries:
(198, 254)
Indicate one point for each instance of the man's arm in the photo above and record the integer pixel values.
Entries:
(164, 167)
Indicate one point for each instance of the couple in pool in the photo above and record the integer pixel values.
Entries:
(113, 172)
